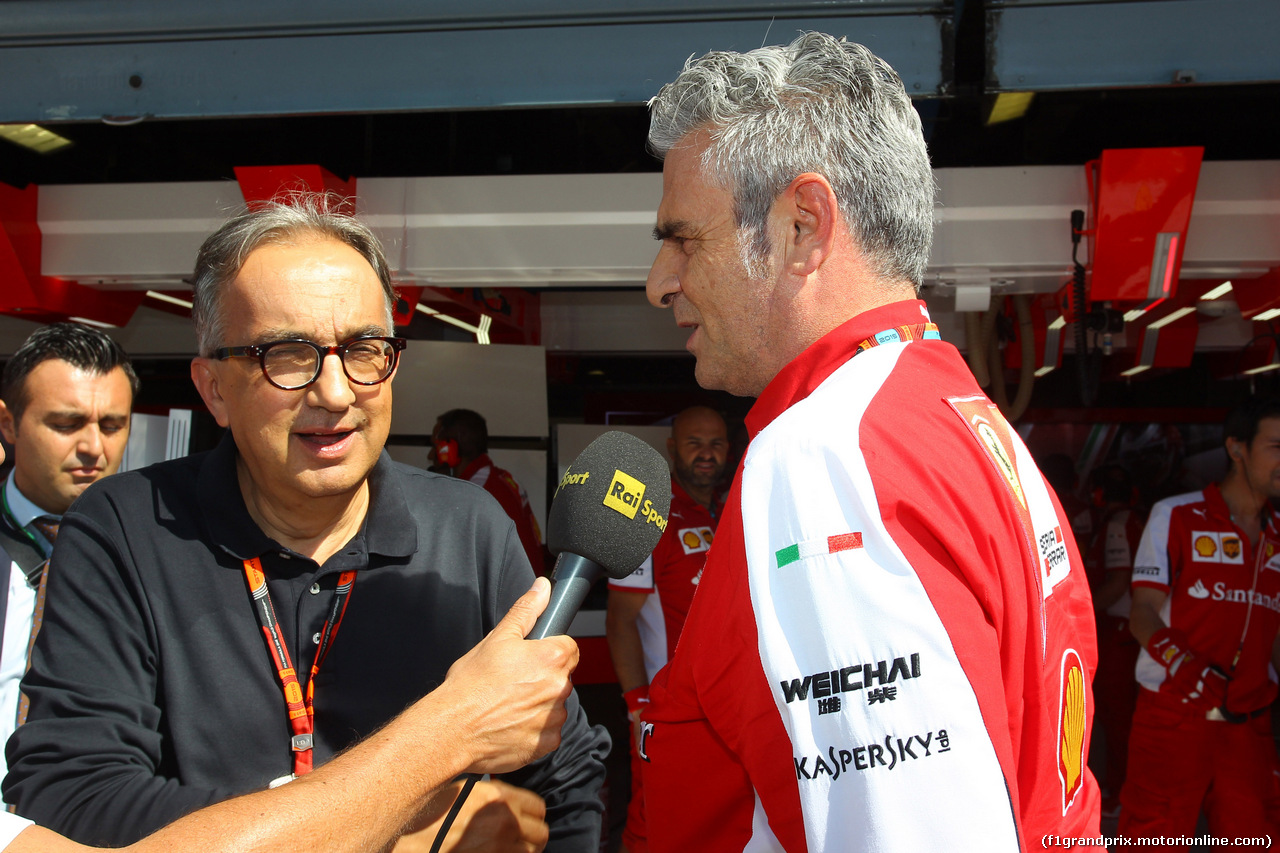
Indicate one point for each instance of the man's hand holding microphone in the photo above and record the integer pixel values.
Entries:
(512, 690)
(505, 700)
(605, 520)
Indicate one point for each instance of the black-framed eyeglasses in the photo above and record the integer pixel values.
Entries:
(293, 365)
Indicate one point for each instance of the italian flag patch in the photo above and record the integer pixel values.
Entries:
(817, 547)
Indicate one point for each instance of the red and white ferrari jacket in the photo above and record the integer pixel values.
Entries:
(1223, 593)
(892, 642)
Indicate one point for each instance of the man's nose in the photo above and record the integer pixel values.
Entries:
(664, 281)
(332, 389)
(90, 444)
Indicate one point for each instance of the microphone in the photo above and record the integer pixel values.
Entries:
(607, 515)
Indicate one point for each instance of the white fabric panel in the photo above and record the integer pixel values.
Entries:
(805, 478)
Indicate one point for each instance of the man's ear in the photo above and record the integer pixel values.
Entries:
(204, 374)
(8, 424)
(1236, 449)
(809, 203)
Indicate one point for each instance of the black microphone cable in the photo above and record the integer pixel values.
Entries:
(470, 783)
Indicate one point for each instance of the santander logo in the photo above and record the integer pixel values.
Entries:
(1198, 591)
(1245, 596)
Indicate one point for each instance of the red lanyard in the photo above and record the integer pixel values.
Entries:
(302, 713)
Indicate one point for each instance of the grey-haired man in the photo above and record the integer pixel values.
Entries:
(892, 640)
(241, 616)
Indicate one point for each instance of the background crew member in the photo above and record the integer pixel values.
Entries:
(501, 706)
(647, 609)
(242, 615)
(1060, 471)
(892, 641)
(1109, 561)
(1206, 609)
(460, 445)
(65, 400)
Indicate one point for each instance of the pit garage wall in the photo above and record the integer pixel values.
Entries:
(584, 242)
(506, 384)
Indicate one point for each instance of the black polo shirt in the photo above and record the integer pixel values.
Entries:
(152, 690)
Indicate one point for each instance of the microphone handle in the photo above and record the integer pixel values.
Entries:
(570, 582)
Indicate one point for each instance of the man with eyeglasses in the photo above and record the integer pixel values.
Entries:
(240, 616)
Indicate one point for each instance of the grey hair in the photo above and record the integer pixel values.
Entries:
(286, 219)
(817, 105)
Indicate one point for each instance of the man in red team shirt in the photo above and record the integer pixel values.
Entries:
(461, 449)
(1206, 609)
(892, 641)
(647, 609)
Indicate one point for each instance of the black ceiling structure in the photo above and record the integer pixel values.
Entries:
(124, 81)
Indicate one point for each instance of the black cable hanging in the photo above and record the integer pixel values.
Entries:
(1088, 362)
(470, 783)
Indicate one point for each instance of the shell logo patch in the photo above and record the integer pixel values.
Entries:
(1073, 722)
(1210, 546)
(695, 540)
